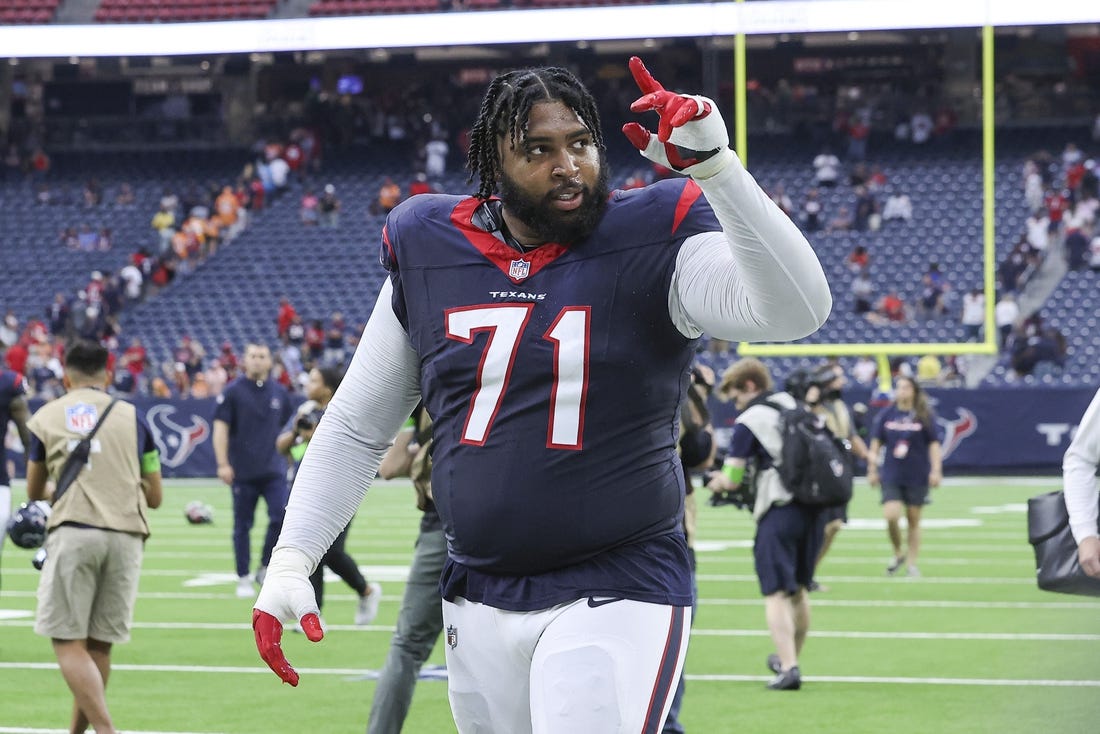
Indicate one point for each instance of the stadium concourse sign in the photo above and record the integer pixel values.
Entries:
(676, 20)
(988, 431)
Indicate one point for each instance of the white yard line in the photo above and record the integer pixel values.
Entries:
(917, 603)
(359, 672)
(875, 680)
(697, 632)
(883, 579)
(860, 635)
(818, 601)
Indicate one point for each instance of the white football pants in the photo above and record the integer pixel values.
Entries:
(597, 666)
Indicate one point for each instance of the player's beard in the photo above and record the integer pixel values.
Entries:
(549, 224)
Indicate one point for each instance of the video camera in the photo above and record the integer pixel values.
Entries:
(740, 497)
(799, 382)
(310, 420)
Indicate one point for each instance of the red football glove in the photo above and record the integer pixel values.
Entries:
(286, 595)
(691, 135)
(269, 634)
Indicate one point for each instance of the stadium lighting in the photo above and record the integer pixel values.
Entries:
(690, 20)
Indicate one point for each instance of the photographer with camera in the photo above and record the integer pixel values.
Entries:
(292, 443)
(97, 528)
(830, 380)
(788, 533)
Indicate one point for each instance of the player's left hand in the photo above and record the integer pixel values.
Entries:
(691, 135)
(286, 595)
(935, 478)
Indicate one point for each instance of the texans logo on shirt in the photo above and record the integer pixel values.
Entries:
(954, 432)
(176, 441)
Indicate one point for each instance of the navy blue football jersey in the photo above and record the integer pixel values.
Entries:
(554, 379)
(12, 386)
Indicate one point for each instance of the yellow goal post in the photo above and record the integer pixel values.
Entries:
(884, 350)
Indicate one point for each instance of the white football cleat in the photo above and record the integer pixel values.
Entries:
(245, 590)
(368, 605)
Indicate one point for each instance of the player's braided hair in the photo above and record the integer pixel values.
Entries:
(507, 106)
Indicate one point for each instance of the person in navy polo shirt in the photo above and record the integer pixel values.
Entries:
(912, 463)
(251, 411)
(13, 407)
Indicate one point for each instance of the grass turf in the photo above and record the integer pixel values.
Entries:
(971, 646)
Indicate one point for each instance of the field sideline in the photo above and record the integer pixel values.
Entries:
(972, 646)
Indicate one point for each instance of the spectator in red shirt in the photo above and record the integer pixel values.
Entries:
(134, 359)
(286, 315)
(315, 340)
(858, 132)
(40, 163)
(256, 187)
(229, 361)
(16, 358)
(890, 310)
(1056, 202)
(858, 259)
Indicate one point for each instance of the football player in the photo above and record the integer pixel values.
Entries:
(550, 333)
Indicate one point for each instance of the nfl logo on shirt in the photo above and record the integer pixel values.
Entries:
(80, 418)
(519, 269)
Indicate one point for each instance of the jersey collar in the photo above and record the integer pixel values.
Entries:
(518, 266)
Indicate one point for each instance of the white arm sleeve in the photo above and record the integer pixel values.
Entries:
(1079, 473)
(375, 398)
(758, 279)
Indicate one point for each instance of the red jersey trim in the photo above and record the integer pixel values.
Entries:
(688, 196)
(389, 245)
(496, 251)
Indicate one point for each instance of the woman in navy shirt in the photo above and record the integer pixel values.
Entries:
(909, 439)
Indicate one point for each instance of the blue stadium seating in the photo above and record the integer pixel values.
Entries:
(234, 295)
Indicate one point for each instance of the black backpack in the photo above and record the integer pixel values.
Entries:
(814, 465)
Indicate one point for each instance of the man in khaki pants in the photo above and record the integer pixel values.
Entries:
(96, 531)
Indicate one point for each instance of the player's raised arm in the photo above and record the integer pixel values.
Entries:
(758, 278)
(380, 390)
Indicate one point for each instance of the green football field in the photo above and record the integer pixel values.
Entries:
(972, 646)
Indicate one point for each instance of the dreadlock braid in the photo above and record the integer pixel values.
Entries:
(505, 111)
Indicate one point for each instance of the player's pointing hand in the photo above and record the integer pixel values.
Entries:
(691, 135)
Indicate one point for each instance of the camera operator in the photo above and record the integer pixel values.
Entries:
(292, 442)
(788, 534)
(830, 380)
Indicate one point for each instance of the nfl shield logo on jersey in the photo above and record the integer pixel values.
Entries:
(452, 636)
(519, 269)
(80, 418)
